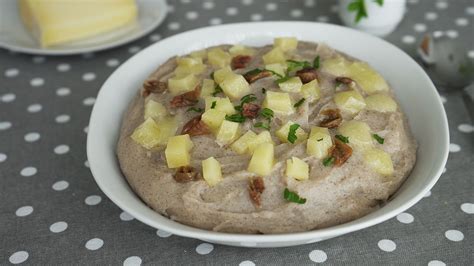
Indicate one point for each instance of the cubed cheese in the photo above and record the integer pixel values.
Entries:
(283, 132)
(297, 169)
(279, 102)
(319, 142)
(178, 151)
(350, 101)
(235, 86)
(211, 171)
(293, 84)
(261, 162)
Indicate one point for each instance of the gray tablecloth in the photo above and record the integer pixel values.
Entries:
(52, 212)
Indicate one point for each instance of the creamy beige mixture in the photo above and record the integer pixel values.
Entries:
(339, 186)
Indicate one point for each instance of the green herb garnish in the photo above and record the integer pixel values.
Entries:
(238, 108)
(239, 118)
(293, 65)
(321, 139)
(274, 73)
(212, 75)
(253, 72)
(293, 197)
(267, 113)
(342, 138)
(262, 125)
(316, 62)
(292, 133)
(264, 91)
(299, 103)
(217, 90)
(378, 138)
(380, 2)
(338, 83)
(248, 98)
(194, 109)
(328, 161)
(358, 6)
(278, 81)
(213, 105)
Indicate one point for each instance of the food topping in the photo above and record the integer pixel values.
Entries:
(344, 80)
(378, 138)
(153, 86)
(256, 74)
(340, 152)
(333, 118)
(307, 74)
(250, 110)
(240, 61)
(186, 174)
(186, 99)
(293, 197)
(195, 127)
(256, 188)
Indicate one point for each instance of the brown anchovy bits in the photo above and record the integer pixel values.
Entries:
(240, 61)
(344, 80)
(333, 118)
(252, 77)
(195, 127)
(250, 110)
(307, 74)
(153, 86)
(256, 188)
(340, 151)
(186, 174)
(186, 99)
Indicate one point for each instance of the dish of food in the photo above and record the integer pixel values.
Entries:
(245, 139)
(415, 95)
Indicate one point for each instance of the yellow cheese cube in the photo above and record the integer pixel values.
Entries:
(367, 78)
(239, 49)
(297, 169)
(201, 54)
(180, 85)
(275, 55)
(241, 145)
(150, 134)
(262, 137)
(311, 91)
(358, 133)
(261, 162)
(279, 102)
(282, 133)
(379, 161)
(319, 142)
(177, 151)
(207, 88)
(189, 65)
(154, 110)
(350, 101)
(221, 74)
(228, 132)
(293, 84)
(213, 119)
(218, 58)
(277, 68)
(337, 66)
(211, 171)
(222, 104)
(286, 43)
(235, 86)
(380, 103)
(188, 61)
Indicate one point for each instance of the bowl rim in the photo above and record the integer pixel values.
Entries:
(321, 234)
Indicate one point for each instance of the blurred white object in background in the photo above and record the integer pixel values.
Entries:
(377, 17)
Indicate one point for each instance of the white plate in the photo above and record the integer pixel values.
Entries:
(417, 94)
(14, 36)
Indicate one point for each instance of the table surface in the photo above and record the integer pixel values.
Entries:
(52, 212)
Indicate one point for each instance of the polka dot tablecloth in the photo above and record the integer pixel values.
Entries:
(52, 212)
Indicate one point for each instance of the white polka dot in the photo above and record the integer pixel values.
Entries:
(125, 216)
(9, 97)
(405, 218)
(28, 171)
(174, 26)
(231, 11)
(134, 49)
(204, 248)
(63, 91)
(32, 137)
(18, 257)
(441, 5)
(93, 200)
(88, 101)
(162, 233)
(63, 67)
(296, 13)
(408, 39)
(452, 34)
(36, 82)
(419, 27)
(34, 108)
(470, 54)
(3, 157)
(256, 17)
(94, 244)
(215, 21)
(318, 256)
(427, 194)
(438, 34)
(443, 99)
(4, 125)
(132, 261)
(24, 211)
(38, 59)
(467, 208)
(309, 3)
(323, 19)
(247, 263)
(208, 5)
(454, 235)
(431, 16)
(62, 119)
(61, 149)
(462, 22)
(470, 10)
(86, 129)
(58, 227)
(60, 185)
(192, 15)
(387, 245)
(271, 6)
(87, 55)
(86, 164)
(436, 263)
(247, 2)
(113, 62)
(453, 147)
(88, 76)
(466, 128)
(11, 72)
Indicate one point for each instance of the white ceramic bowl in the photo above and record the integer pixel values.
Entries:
(417, 94)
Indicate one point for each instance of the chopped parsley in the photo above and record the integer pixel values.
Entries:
(293, 197)
(338, 83)
(194, 109)
(299, 103)
(316, 62)
(264, 90)
(274, 73)
(342, 138)
(262, 125)
(293, 65)
(281, 80)
(321, 139)
(253, 72)
(238, 108)
(378, 138)
(217, 90)
(328, 161)
(267, 113)
(248, 98)
(239, 118)
(292, 133)
(213, 105)
(358, 6)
